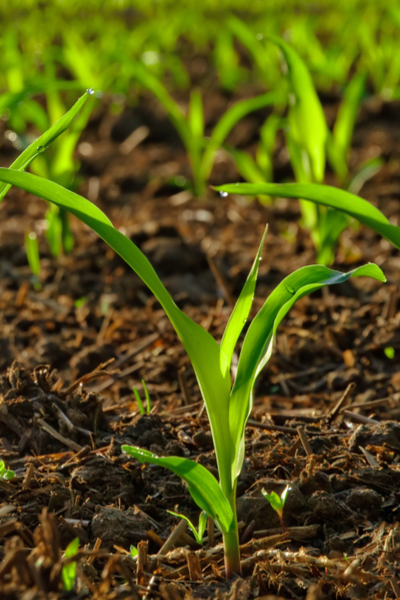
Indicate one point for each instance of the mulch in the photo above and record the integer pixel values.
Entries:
(326, 412)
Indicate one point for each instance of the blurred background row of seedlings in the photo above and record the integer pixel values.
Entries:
(44, 69)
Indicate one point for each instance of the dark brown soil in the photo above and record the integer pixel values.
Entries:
(326, 412)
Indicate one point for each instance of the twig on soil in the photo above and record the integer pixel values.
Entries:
(73, 445)
(336, 409)
(359, 418)
(173, 538)
(97, 372)
(304, 440)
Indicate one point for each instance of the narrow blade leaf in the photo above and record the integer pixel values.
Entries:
(257, 346)
(352, 205)
(242, 308)
(229, 120)
(306, 117)
(27, 156)
(202, 486)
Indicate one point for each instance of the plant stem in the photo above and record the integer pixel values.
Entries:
(231, 541)
(232, 553)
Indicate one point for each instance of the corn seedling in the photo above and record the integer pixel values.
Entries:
(139, 400)
(228, 406)
(32, 254)
(198, 534)
(308, 139)
(4, 472)
(133, 551)
(277, 502)
(68, 572)
(201, 150)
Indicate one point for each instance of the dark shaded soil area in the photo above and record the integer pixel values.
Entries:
(326, 411)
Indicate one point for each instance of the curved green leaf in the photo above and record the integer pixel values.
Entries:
(203, 486)
(306, 117)
(229, 120)
(257, 345)
(352, 205)
(41, 143)
(208, 361)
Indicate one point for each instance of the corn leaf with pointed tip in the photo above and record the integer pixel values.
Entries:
(257, 345)
(326, 195)
(242, 308)
(306, 117)
(27, 156)
(202, 485)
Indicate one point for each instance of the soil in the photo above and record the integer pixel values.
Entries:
(326, 412)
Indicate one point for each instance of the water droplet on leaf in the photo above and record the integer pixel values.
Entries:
(40, 148)
(223, 194)
(290, 289)
(90, 91)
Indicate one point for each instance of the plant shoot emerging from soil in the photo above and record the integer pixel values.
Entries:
(228, 406)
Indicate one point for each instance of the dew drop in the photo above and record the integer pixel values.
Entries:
(90, 91)
(244, 320)
(290, 289)
(223, 194)
(40, 148)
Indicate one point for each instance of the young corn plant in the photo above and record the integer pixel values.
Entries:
(201, 150)
(228, 406)
(309, 139)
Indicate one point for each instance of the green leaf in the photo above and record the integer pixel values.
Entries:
(229, 120)
(146, 78)
(202, 486)
(306, 117)
(274, 500)
(209, 363)
(139, 401)
(257, 345)
(202, 524)
(347, 115)
(133, 551)
(4, 472)
(242, 308)
(41, 143)
(352, 205)
(69, 571)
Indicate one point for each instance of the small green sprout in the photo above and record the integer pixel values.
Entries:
(202, 524)
(139, 401)
(69, 571)
(5, 473)
(133, 551)
(390, 352)
(277, 502)
(32, 254)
